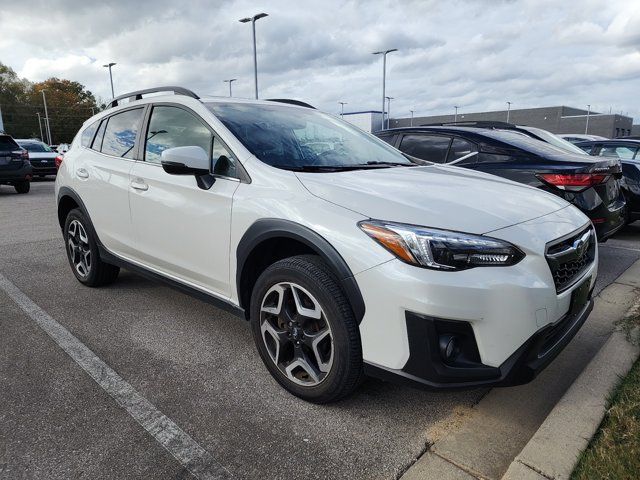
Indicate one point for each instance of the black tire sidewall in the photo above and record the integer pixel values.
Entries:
(336, 317)
(77, 214)
(22, 187)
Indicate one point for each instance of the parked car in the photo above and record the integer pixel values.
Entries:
(348, 260)
(593, 185)
(15, 168)
(628, 151)
(41, 155)
(62, 148)
(577, 137)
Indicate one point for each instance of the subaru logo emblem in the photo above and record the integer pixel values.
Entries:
(580, 246)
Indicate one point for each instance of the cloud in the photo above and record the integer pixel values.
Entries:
(473, 53)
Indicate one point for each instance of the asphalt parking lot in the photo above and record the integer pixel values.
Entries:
(196, 364)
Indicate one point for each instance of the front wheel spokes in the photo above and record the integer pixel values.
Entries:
(311, 311)
(79, 248)
(279, 339)
(321, 344)
(302, 365)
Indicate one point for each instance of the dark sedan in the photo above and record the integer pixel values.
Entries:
(593, 185)
(42, 157)
(628, 151)
(15, 168)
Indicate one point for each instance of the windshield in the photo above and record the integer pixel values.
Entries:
(35, 147)
(555, 140)
(304, 139)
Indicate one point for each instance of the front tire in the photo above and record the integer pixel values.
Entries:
(83, 254)
(305, 330)
(22, 187)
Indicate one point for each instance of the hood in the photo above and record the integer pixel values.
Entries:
(450, 198)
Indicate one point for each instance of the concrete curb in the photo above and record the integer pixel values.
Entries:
(553, 451)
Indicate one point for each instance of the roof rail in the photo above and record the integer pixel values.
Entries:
(137, 95)
(291, 102)
(471, 123)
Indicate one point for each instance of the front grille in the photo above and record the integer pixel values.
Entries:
(569, 257)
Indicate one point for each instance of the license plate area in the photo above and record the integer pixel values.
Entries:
(580, 296)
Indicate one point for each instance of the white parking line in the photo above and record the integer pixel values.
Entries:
(177, 442)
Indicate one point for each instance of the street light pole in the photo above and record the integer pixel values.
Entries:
(230, 81)
(109, 65)
(40, 125)
(46, 114)
(508, 110)
(388, 110)
(342, 104)
(384, 75)
(455, 116)
(255, 56)
(411, 118)
(586, 127)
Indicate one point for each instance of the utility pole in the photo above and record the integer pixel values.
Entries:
(230, 81)
(46, 115)
(342, 104)
(508, 110)
(40, 125)
(109, 65)
(411, 118)
(255, 56)
(586, 127)
(384, 75)
(455, 115)
(388, 110)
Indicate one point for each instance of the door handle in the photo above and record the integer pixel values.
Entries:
(139, 184)
(82, 173)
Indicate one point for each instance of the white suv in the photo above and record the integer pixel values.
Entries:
(347, 257)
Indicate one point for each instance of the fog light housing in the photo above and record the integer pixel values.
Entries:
(449, 347)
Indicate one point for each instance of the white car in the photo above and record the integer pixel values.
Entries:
(347, 261)
(42, 157)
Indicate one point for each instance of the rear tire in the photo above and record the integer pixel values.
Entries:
(82, 252)
(22, 187)
(305, 331)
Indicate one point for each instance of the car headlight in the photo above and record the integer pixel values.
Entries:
(441, 249)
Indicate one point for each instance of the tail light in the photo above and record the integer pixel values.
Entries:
(58, 161)
(573, 182)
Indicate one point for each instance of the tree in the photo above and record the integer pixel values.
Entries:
(69, 104)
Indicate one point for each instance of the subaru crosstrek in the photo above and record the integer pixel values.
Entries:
(346, 257)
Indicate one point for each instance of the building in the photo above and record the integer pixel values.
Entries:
(369, 121)
(559, 119)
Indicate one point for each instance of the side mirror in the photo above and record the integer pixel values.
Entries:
(191, 160)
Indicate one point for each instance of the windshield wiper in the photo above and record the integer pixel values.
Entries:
(391, 164)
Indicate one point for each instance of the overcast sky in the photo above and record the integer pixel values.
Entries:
(476, 54)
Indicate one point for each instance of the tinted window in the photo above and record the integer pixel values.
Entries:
(88, 134)
(461, 148)
(7, 143)
(120, 134)
(174, 127)
(97, 142)
(432, 148)
(390, 139)
(299, 138)
(613, 151)
(35, 147)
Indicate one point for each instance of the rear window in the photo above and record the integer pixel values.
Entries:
(88, 134)
(120, 133)
(8, 143)
(524, 141)
(35, 147)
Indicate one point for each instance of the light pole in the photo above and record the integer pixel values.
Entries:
(255, 57)
(455, 116)
(586, 127)
(411, 118)
(388, 110)
(342, 104)
(384, 74)
(109, 65)
(508, 110)
(40, 125)
(46, 115)
(230, 81)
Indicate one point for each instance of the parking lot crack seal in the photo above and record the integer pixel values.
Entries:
(176, 441)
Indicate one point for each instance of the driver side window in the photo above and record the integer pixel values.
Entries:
(171, 127)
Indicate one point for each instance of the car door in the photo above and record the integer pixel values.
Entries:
(101, 178)
(182, 230)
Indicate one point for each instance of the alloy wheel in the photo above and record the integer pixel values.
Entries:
(79, 249)
(296, 334)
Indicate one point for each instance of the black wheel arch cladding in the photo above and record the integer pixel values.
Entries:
(273, 228)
